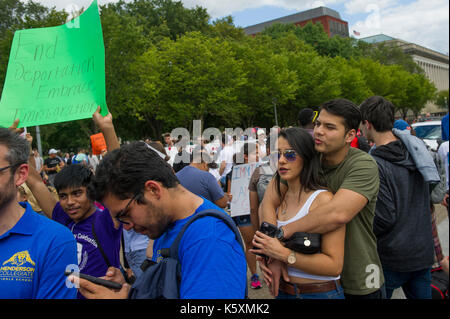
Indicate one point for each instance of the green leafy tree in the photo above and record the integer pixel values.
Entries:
(186, 79)
(269, 79)
(441, 99)
(420, 90)
(352, 82)
(388, 54)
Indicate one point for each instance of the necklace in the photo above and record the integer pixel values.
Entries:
(283, 212)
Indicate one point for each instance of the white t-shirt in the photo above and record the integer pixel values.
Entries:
(172, 151)
(226, 155)
(39, 162)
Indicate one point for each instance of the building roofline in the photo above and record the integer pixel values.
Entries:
(293, 18)
(412, 48)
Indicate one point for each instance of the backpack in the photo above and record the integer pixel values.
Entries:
(439, 284)
(162, 280)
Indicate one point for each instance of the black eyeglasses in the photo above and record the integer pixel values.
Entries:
(124, 211)
(289, 155)
(10, 166)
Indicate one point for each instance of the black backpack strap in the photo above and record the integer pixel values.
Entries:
(98, 244)
(173, 251)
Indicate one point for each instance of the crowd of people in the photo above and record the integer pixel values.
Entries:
(340, 207)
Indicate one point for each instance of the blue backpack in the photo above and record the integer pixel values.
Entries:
(162, 280)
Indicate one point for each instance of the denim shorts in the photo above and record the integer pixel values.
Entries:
(242, 221)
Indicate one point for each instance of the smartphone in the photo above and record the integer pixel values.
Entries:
(95, 280)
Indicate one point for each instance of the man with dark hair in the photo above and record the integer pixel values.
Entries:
(98, 235)
(352, 175)
(141, 190)
(306, 118)
(402, 220)
(34, 251)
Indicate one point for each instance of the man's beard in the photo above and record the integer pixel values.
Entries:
(162, 221)
(8, 195)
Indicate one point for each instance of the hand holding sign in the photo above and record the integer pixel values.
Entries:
(103, 122)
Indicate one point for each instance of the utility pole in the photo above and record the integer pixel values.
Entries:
(38, 139)
(274, 102)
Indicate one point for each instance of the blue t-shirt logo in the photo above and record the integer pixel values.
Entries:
(19, 267)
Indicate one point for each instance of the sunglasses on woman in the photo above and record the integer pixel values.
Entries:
(289, 155)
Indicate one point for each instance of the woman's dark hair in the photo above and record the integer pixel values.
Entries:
(124, 172)
(72, 176)
(302, 143)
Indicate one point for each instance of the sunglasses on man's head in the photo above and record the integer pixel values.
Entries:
(289, 155)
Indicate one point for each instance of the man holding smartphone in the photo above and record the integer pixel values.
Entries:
(142, 192)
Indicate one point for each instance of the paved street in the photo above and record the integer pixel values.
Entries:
(443, 225)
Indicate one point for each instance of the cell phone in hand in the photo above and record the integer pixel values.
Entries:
(95, 280)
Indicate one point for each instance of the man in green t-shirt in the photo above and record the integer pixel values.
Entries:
(352, 175)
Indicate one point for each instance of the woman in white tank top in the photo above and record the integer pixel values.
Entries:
(311, 276)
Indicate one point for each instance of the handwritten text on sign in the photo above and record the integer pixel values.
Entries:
(240, 179)
(55, 74)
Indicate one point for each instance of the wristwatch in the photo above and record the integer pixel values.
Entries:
(291, 258)
(280, 234)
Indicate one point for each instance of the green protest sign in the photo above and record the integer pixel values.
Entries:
(56, 74)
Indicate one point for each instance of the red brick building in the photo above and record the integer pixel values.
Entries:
(329, 18)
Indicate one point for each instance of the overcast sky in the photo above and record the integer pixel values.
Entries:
(424, 22)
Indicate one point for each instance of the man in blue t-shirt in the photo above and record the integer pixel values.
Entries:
(141, 190)
(197, 179)
(34, 251)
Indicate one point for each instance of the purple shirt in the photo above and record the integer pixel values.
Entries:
(90, 259)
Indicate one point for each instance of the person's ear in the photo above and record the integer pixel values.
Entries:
(21, 174)
(153, 188)
(351, 134)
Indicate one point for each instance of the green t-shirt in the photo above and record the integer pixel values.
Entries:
(362, 273)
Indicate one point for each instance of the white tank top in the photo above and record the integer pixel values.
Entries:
(292, 271)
